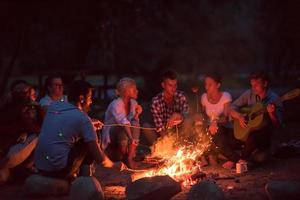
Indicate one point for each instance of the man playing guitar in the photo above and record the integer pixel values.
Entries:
(259, 140)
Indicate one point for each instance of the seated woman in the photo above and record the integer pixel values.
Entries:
(121, 141)
(20, 122)
(54, 91)
(216, 106)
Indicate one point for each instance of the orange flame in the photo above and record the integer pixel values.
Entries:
(181, 162)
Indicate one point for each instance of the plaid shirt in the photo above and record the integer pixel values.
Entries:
(161, 112)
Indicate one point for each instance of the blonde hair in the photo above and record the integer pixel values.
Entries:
(123, 84)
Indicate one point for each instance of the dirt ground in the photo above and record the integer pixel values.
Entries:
(245, 186)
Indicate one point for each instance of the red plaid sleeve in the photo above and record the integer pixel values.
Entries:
(156, 110)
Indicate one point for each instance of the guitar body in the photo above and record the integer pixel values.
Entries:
(255, 116)
(254, 122)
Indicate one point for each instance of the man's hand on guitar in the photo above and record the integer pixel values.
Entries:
(242, 121)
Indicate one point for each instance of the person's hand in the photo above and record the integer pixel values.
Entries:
(97, 124)
(120, 166)
(22, 138)
(138, 109)
(270, 108)
(175, 119)
(107, 163)
(135, 142)
(242, 121)
(213, 128)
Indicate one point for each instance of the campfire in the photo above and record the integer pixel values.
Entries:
(179, 159)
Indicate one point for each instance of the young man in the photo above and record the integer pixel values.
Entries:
(259, 141)
(170, 107)
(68, 137)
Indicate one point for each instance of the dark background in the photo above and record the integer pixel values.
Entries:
(144, 37)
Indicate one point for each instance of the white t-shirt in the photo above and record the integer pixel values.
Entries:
(214, 111)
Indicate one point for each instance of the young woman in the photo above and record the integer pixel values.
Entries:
(20, 123)
(216, 106)
(124, 111)
(54, 90)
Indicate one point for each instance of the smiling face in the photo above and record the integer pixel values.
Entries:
(169, 86)
(211, 86)
(258, 86)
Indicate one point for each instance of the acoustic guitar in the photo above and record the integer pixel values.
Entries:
(254, 116)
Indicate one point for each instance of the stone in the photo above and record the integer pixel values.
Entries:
(206, 190)
(283, 190)
(87, 188)
(46, 186)
(157, 187)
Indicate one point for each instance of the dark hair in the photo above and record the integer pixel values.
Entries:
(216, 77)
(168, 75)
(48, 82)
(15, 83)
(77, 88)
(260, 75)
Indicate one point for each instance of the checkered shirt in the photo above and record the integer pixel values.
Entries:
(161, 112)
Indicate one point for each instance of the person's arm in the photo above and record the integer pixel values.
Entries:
(273, 116)
(157, 116)
(119, 113)
(98, 155)
(89, 136)
(239, 102)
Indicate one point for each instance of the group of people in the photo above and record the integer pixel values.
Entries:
(55, 136)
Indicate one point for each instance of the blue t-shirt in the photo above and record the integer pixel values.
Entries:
(63, 126)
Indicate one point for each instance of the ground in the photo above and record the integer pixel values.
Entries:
(245, 186)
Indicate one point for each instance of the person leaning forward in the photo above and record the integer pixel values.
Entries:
(170, 107)
(68, 141)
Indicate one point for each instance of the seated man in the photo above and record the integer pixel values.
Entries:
(20, 122)
(259, 141)
(170, 107)
(68, 141)
(123, 111)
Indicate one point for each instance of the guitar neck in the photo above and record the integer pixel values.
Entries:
(264, 108)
